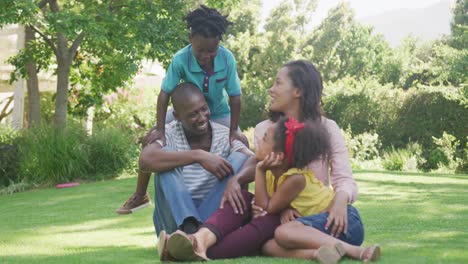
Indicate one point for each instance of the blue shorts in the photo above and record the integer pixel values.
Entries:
(355, 234)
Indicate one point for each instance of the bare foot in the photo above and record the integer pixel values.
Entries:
(198, 248)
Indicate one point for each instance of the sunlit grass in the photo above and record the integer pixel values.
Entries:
(417, 218)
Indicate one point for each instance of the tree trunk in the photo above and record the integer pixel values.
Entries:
(61, 99)
(34, 107)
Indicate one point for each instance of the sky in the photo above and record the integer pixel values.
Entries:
(363, 8)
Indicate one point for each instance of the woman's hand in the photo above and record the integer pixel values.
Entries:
(338, 214)
(288, 215)
(271, 160)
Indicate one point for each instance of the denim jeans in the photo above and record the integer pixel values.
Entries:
(173, 202)
(354, 234)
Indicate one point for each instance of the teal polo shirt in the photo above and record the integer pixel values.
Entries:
(216, 86)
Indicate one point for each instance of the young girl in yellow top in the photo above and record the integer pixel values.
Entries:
(280, 183)
(305, 237)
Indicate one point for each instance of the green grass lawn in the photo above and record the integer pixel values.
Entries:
(416, 218)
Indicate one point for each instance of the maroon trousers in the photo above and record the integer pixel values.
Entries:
(238, 234)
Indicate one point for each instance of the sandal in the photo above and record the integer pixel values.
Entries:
(162, 248)
(182, 247)
(330, 255)
(373, 256)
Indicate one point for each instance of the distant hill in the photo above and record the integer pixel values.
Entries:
(426, 23)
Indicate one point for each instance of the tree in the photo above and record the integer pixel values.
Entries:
(341, 47)
(34, 106)
(106, 39)
(459, 25)
(29, 61)
(259, 55)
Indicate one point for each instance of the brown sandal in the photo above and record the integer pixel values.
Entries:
(182, 247)
(330, 255)
(374, 254)
(162, 247)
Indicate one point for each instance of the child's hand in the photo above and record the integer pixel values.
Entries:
(288, 215)
(272, 160)
(235, 134)
(154, 135)
(257, 210)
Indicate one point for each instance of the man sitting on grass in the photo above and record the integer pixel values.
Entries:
(197, 168)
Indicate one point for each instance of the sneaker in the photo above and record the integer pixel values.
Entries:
(134, 203)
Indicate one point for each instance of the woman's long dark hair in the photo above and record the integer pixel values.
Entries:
(305, 77)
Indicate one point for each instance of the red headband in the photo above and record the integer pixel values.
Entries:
(292, 127)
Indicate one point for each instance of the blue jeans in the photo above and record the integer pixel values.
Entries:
(174, 203)
(355, 233)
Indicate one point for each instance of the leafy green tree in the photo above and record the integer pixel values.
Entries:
(35, 56)
(260, 54)
(245, 18)
(242, 36)
(431, 63)
(340, 47)
(449, 65)
(459, 25)
(101, 42)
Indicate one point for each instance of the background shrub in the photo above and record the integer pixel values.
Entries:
(363, 146)
(111, 151)
(357, 111)
(9, 165)
(255, 101)
(428, 112)
(43, 156)
(403, 159)
(48, 157)
(393, 160)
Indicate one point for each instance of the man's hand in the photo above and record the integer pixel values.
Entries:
(153, 135)
(233, 194)
(288, 215)
(236, 134)
(216, 165)
(338, 214)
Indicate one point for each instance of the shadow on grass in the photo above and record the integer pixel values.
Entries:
(126, 255)
(405, 173)
(86, 203)
(415, 222)
(91, 255)
(417, 186)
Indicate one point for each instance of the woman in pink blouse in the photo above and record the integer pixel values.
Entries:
(297, 93)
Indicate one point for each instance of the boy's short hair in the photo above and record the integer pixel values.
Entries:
(207, 22)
